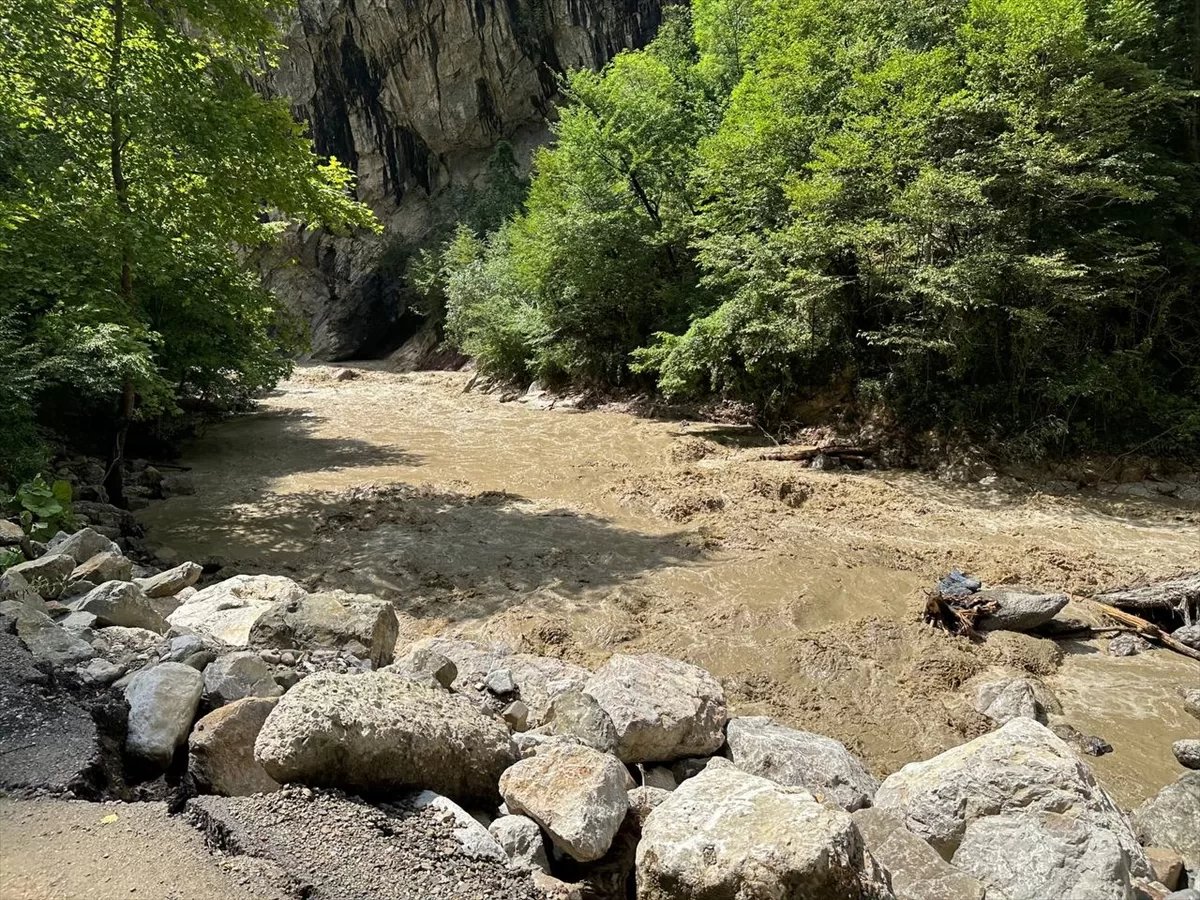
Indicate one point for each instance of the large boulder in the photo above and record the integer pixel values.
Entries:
(917, 871)
(83, 545)
(170, 582)
(103, 567)
(1029, 855)
(238, 675)
(381, 731)
(1169, 819)
(577, 794)
(662, 708)
(761, 746)
(363, 625)
(44, 639)
(1020, 767)
(121, 603)
(227, 610)
(47, 575)
(221, 749)
(579, 715)
(162, 704)
(1018, 610)
(729, 834)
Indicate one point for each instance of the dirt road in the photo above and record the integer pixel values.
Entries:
(58, 850)
(581, 534)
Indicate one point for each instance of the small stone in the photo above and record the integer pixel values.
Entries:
(1187, 752)
(1017, 610)
(658, 777)
(522, 840)
(1188, 635)
(643, 800)
(580, 716)
(47, 575)
(500, 682)
(1191, 702)
(172, 581)
(1166, 865)
(516, 715)
(100, 671)
(122, 603)
(237, 675)
(1127, 644)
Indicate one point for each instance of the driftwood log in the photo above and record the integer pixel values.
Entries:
(787, 453)
(1178, 594)
(1149, 630)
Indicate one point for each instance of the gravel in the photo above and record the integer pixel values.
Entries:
(336, 847)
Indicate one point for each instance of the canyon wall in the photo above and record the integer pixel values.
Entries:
(414, 95)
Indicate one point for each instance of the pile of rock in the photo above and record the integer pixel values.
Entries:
(630, 780)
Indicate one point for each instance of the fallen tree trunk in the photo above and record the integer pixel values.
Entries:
(1149, 630)
(787, 453)
(1179, 594)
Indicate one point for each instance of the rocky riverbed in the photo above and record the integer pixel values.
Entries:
(653, 666)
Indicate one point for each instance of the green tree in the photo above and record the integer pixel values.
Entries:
(137, 168)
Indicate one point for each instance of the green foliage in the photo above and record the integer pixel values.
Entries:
(137, 167)
(977, 212)
(44, 508)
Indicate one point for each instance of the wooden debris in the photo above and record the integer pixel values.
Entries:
(792, 453)
(1148, 630)
(1176, 594)
(957, 616)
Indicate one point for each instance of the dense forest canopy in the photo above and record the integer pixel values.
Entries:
(978, 213)
(973, 215)
(137, 167)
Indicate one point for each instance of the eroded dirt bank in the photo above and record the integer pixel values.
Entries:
(580, 533)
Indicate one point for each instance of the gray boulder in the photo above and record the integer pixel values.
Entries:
(1127, 644)
(1030, 855)
(382, 731)
(226, 611)
(472, 661)
(1018, 610)
(1191, 702)
(1187, 752)
(1188, 635)
(1020, 767)
(83, 545)
(44, 639)
(917, 871)
(47, 575)
(662, 708)
(13, 586)
(577, 794)
(361, 624)
(103, 567)
(644, 800)
(238, 675)
(172, 581)
(221, 749)
(162, 704)
(580, 716)
(1008, 699)
(539, 679)
(425, 663)
(761, 746)
(474, 840)
(729, 834)
(1169, 819)
(522, 841)
(121, 603)
(100, 671)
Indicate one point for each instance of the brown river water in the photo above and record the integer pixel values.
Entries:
(580, 534)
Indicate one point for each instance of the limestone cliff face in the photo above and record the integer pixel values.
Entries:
(414, 94)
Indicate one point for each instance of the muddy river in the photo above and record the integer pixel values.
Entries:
(580, 534)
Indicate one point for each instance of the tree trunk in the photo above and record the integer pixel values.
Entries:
(114, 475)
